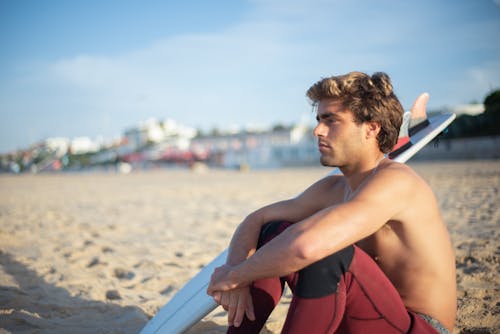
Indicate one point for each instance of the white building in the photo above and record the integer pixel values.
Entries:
(273, 148)
(468, 109)
(81, 145)
(153, 131)
(58, 145)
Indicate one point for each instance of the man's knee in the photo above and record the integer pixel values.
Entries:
(322, 277)
(270, 230)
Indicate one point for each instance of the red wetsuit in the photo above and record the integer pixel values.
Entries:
(345, 292)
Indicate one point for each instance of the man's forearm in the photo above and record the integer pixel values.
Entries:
(245, 238)
(279, 257)
(244, 241)
(298, 246)
(282, 255)
(306, 242)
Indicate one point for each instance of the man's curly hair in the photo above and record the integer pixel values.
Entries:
(369, 98)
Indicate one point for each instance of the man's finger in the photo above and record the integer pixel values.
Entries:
(249, 311)
(231, 311)
(240, 311)
(217, 296)
(224, 300)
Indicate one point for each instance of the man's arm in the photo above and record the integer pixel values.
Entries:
(244, 241)
(327, 231)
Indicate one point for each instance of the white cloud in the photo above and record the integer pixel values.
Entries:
(201, 79)
(482, 80)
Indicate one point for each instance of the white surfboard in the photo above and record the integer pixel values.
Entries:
(191, 303)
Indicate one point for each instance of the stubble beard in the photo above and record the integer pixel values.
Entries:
(327, 161)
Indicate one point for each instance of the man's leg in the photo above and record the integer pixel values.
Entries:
(346, 292)
(266, 293)
(319, 300)
(317, 283)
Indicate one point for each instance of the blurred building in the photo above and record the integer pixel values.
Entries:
(468, 109)
(293, 146)
(153, 132)
(82, 145)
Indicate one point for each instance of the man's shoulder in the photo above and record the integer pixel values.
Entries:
(400, 175)
(328, 188)
(388, 163)
(334, 180)
(391, 167)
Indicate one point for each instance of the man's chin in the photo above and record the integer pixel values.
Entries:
(326, 162)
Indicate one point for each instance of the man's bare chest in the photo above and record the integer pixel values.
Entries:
(384, 246)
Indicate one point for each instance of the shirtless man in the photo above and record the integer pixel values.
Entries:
(363, 252)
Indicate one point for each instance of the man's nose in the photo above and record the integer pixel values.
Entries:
(319, 130)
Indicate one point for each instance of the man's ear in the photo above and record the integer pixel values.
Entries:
(372, 129)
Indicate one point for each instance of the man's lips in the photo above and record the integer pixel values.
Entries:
(323, 146)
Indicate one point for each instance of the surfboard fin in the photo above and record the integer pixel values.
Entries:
(418, 114)
(413, 121)
(404, 137)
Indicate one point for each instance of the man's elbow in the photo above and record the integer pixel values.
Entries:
(303, 248)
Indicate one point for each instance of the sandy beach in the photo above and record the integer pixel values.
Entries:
(102, 252)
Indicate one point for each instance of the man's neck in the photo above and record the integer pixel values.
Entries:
(358, 173)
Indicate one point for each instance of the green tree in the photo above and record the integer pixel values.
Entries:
(485, 124)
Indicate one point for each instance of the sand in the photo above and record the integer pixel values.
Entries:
(102, 252)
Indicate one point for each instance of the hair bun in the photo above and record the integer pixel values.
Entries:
(383, 83)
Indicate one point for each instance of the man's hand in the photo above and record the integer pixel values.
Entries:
(234, 296)
(237, 303)
(223, 279)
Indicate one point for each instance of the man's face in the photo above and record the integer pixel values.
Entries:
(339, 137)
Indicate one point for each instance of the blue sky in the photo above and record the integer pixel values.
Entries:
(94, 68)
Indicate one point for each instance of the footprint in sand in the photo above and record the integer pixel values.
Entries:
(123, 274)
(167, 290)
(95, 261)
(107, 249)
(113, 295)
(88, 243)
